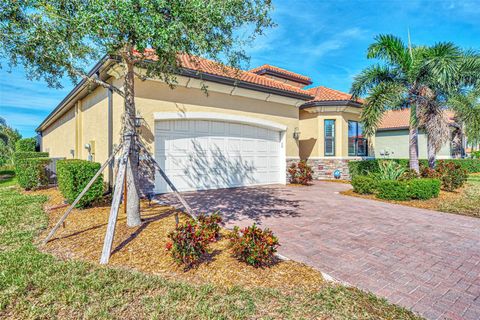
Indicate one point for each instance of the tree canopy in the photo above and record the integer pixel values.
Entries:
(51, 39)
(8, 138)
(56, 38)
(467, 110)
(421, 78)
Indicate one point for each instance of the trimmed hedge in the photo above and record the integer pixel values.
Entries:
(419, 188)
(364, 184)
(73, 176)
(31, 172)
(423, 189)
(28, 154)
(392, 190)
(364, 167)
(27, 144)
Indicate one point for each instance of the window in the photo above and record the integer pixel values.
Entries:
(357, 144)
(329, 137)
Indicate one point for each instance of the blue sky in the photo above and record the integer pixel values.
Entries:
(325, 40)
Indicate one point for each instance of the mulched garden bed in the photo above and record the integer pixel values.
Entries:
(431, 204)
(143, 249)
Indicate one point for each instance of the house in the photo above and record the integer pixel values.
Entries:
(244, 131)
(392, 138)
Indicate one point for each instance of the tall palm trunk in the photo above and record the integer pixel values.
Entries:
(413, 141)
(431, 153)
(413, 149)
(133, 199)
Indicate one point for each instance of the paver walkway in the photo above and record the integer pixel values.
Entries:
(424, 260)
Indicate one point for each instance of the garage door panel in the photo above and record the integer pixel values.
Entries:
(204, 154)
(234, 129)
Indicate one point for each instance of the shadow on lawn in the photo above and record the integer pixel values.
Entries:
(236, 203)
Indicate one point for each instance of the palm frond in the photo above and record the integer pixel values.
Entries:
(371, 77)
(467, 110)
(432, 117)
(469, 69)
(383, 97)
(391, 49)
(442, 66)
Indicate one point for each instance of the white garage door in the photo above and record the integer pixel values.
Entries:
(202, 154)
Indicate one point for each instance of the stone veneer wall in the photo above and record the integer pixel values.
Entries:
(323, 168)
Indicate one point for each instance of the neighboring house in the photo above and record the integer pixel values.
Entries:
(245, 131)
(391, 138)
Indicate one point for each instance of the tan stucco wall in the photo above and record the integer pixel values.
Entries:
(312, 128)
(396, 143)
(309, 134)
(91, 122)
(94, 125)
(153, 96)
(59, 138)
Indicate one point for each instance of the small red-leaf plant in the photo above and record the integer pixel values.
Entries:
(300, 173)
(188, 243)
(210, 225)
(304, 173)
(452, 175)
(292, 171)
(253, 245)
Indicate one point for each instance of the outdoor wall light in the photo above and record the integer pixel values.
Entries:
(296, 134)
(138, 122)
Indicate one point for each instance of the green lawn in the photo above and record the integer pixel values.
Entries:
(468, 202)
(7, 178)
(35, 285)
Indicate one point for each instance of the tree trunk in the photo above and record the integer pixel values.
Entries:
(413, 141)
(431, 153)
(133, 199)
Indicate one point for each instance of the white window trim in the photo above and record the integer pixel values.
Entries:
(219, 117)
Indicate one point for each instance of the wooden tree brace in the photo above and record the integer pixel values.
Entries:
(117, 197)
(74, 203)
(170, 184)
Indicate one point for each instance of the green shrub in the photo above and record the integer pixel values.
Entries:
(25, 145)
(364, 184)
(470, 165)
(74, 175)
(475, 154)
(253, 245)
(392, 190)
(452, 175)
(390, 170)
(423, 189)
(189, 242)
(211, 225)
(364, 167)
(28, 154)
(409, 175)
(31, 172)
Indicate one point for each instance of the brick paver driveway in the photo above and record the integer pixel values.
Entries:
(424, 260)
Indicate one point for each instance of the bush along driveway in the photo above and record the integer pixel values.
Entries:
(36, 285)
(424, 260)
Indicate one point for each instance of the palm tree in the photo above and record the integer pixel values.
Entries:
(418, 78)
(391, 85)
(448, 70)
(467, 111)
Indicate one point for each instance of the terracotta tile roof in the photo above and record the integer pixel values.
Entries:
(326, 94)
(291, 74)
(394, 119)
(214, 68)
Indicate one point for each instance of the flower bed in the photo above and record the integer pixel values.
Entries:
(143, 249)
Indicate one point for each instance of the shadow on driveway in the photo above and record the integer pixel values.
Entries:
(238, 204)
